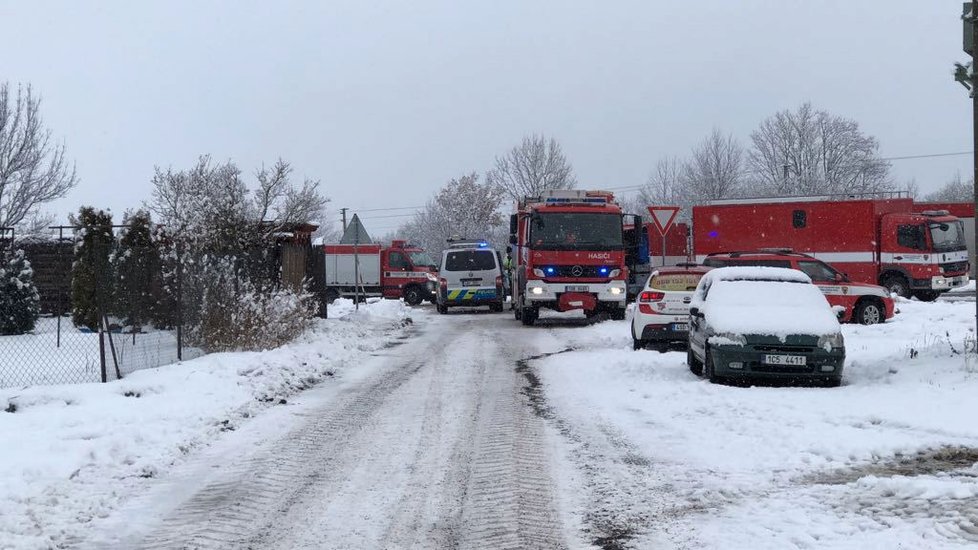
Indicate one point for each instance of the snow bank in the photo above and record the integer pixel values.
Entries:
(82, 449)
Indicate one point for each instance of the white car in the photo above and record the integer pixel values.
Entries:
(661, 315)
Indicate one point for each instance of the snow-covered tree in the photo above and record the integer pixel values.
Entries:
(956, 190)
(33, 171)
(667, 186)
(19, 300)
(91, 272)
(465, 208)
(715, 169)
(136, 264)
(810, 151)
(533, 166)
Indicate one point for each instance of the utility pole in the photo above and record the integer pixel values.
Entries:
(967, 75)
(343, 212)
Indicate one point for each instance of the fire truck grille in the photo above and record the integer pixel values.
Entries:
(582, 271)
(955, 267)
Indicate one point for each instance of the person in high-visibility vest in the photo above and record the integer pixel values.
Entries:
(508, 275)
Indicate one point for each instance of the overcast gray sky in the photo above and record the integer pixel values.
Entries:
(386, 101)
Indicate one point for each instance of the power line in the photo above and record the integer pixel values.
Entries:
(930, 156)
(385, 209)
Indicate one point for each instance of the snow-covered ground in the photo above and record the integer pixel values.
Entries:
(74, 453)
(641, 452)
(885, 461)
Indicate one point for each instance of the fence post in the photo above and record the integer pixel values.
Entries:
(179, 268)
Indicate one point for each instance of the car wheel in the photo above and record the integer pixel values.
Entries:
(638, 344)
(869, 312)
(496, 307)
(442, 308)
(709, 368)
(897, 284)
(926, 295)
(695, 366)
(412, 296)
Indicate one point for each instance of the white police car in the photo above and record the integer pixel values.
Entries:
(470, 275)
(661, 315)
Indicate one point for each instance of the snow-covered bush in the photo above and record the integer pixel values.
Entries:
(91, 273)
(235, 314)
(19, 299)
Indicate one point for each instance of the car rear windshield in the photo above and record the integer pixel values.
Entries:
(681, 282)
(470, 260)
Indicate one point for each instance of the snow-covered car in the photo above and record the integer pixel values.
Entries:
(864, 303)
(470, 275)
(763, 322)
(661, 314)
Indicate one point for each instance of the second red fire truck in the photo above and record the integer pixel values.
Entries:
(879, 241)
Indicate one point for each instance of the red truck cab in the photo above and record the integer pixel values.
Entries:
(569, 254)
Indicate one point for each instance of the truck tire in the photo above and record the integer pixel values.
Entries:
(897, 284)
(413, 295)
(869, 312)
(331, 295)
(926, 295)
(529, 316)
(618, 314)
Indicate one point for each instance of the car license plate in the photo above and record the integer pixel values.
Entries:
(798, 360)
(680, 327)
(471, 283)
(576, 288)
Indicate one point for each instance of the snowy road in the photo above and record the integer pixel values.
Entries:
(440, 448)
(472, 431)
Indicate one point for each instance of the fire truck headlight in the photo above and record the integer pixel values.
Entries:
(615, 290)
(538, 272)
(536, 290)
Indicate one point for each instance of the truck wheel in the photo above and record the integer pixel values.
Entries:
(618, 314)
(897, 284)
(926, 295)
(529, 316)
(869, 312)
(413, 295)
(695, 366)
(331, 295)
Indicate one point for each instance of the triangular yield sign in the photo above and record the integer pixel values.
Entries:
(355, 233)
(663, 216)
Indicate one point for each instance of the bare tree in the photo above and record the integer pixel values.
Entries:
(464, 207)
(32, 170)
(810, 151)
(956, 190)
(666, 186)
(533, 166)
(715, 170)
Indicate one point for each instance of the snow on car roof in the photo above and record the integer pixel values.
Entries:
(764, 300)
(756, 273)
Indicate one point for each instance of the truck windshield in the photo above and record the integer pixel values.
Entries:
(575, 231)
(947, 235)
(422, 259)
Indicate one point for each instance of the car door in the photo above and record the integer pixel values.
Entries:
(697, 325)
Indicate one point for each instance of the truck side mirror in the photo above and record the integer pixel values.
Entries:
(695, 311)
(513, 224)
(512, 239)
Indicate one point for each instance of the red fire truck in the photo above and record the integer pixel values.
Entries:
(879, 241)
(569, 254)
(370, 270)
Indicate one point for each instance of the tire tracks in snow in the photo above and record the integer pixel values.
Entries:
(443, 450)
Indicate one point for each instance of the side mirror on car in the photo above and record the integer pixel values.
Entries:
(695, 312)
